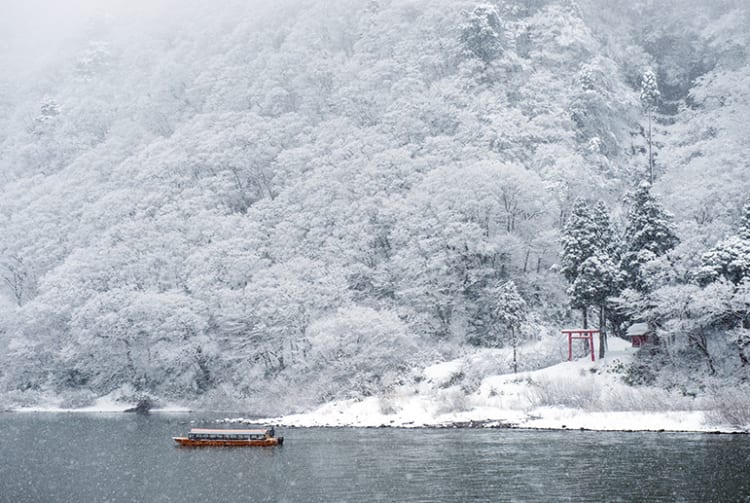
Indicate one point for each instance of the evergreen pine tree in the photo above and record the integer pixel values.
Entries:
(649, 101)
(597, 280)
(590, 247)
(579, 239)
(481, 34)
(649, 91)
(649, 234)
(578, 244)
(607, 239)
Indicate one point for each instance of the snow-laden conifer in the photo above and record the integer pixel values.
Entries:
(481, 33)
(597, 280)
(579, 239)
(649, 91)
(649, 102)
(588, 260)
(649, 233)
(606, 235)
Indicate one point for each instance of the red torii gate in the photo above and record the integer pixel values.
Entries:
(580, 333)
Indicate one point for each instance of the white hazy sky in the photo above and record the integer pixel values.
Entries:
(34, 32)
(40, 21)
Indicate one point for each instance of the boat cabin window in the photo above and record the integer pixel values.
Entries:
(255, 435)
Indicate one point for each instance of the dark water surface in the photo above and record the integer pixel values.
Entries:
(127, 458)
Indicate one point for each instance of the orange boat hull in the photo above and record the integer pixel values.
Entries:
(266, 442)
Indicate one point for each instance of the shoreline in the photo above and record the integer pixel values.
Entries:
(486, 424)
(570, 395)
(470, 424)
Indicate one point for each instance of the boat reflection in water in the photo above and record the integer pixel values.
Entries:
(205, 437)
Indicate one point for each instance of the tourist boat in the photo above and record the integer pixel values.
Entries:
(205, 437)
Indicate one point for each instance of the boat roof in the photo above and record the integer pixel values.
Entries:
(221, 431)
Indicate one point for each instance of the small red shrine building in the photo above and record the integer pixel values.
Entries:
(639, 334)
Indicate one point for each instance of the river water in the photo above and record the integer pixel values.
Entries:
(128, 458)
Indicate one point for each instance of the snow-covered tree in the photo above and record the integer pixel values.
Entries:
(579, 239)
(740, 307)
(649, 233)
(49, 108)
(586, 78)
(730, 258)
(94, 60)
(599, 117)
(152, 341)
(510, 310)
(649, 91)
(744, 231)
(729, 262)
(607, 239)
(19, 278)
(586, 234)
(322, 155)
(356, 352)
(465, 229)
(590, 246)
(597, 280)
(481, 34)
(649, 102)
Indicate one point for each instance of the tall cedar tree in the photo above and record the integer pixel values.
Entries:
(597, 281)
(578, 243)
(598, 277)
(649, 234)
(588, 261)
(606, 233)
(649, 101)
(579, 239)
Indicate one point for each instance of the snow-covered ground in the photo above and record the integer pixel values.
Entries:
(569, 395)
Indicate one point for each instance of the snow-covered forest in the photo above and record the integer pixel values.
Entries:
(278, 204)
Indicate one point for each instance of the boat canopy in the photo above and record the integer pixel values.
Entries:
(219, 431)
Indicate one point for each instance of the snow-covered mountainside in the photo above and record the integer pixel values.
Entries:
(276, 205)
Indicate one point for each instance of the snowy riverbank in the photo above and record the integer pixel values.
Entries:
(569, 395)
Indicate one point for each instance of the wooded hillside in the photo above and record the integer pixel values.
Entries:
(231, 201)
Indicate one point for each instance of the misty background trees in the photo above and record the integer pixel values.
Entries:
(306, 200)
